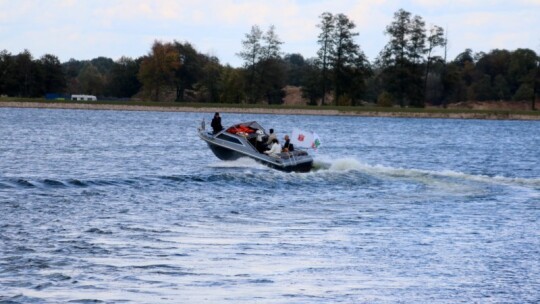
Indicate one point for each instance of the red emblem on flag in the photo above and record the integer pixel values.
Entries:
(301, 137)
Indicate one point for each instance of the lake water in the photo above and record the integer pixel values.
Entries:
(132, 207)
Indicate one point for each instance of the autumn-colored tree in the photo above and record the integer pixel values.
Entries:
(158, 69)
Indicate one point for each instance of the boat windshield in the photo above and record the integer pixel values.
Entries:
(247, 128)
(240, 129)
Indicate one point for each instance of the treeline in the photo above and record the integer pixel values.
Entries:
(23, 76)
(411, 70)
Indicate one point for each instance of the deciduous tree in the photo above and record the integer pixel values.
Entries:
(91, 80)
(51, 74)
(8, 83)
(232, 85)
(25, 74)
(210, 82)
(191, 68)
(123, 78)
(158, 69)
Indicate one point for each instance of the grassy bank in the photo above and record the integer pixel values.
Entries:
(271, 109)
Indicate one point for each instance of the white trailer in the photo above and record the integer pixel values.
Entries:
(83, 97)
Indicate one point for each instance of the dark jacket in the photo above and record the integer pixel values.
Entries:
(216, 124)
(288, 145)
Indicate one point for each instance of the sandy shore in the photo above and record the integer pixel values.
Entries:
(112, 107)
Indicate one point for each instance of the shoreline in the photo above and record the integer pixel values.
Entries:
(283, 111)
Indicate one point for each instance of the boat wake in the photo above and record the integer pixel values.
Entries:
(245, 171)
(354, 165)
(346, 165)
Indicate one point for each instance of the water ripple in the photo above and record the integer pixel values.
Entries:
(132, 207)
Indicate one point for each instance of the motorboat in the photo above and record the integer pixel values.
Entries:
(244, 140)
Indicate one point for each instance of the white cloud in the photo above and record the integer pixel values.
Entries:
(87, 29)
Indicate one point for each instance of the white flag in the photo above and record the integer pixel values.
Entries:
(305, 139)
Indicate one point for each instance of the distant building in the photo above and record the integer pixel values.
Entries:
(83, 97)
(56, 96)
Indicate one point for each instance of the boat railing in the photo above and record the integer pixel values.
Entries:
(202, 126)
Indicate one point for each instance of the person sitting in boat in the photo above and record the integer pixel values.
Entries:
(287, 146)
(216, 123)
(275, 149)
(271, 138)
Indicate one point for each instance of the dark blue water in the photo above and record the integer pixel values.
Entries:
(109, 206)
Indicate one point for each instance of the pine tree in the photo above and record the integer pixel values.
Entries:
(326, 48)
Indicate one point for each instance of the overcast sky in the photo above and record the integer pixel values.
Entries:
(86, 29)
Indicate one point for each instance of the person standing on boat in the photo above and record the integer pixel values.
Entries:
(287, 146)
(275, 149)
(216, 123)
